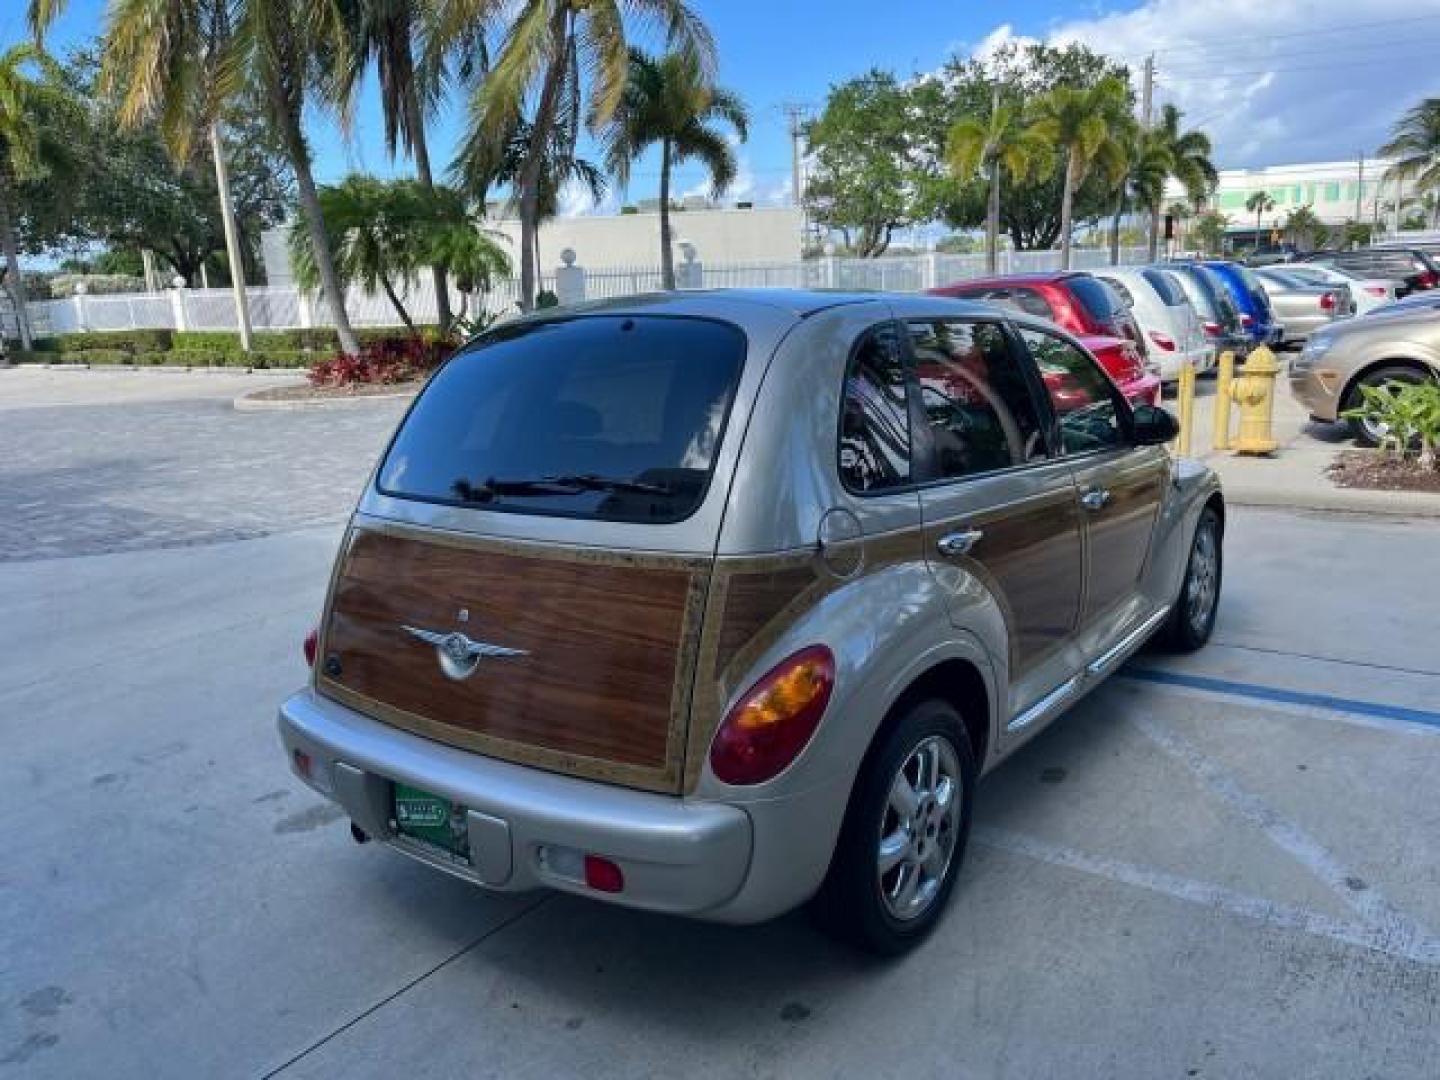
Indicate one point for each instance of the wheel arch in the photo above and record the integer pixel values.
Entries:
(1418, 364)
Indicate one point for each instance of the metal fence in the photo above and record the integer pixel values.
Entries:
(282, 308)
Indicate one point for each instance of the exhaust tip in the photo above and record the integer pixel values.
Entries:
(359, 835)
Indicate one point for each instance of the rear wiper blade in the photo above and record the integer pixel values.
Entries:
(564, 483)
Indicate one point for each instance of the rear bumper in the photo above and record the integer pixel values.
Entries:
(526, 826)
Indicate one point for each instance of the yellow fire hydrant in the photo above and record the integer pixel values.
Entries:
(1254, 392)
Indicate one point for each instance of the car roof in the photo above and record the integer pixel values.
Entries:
(1035, 277)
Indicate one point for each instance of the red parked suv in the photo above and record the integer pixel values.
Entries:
(1084, 305)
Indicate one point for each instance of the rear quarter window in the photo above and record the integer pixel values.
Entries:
(1166, 285)
(612, 417)
(1097, 297)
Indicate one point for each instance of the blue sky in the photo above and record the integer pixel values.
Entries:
(1282, 81)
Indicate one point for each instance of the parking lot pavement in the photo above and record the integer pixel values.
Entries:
(1217, 867)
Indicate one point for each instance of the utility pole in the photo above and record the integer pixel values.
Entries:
(232, 238)
(795, 114)
(1147, 92)
(1360, 190)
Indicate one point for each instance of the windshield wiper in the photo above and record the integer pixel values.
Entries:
(561, 484)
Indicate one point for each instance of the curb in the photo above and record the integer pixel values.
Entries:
(163, 369)
(1395, 504)
(250, 403)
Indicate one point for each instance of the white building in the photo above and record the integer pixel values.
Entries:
(1336, 191)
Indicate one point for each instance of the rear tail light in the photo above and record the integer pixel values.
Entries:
(1165, 342)
(312, 640)
(1429, 279)
(1375, 290)
(1327, 302)
(1211, 329)
(775, 719)
(1246, 320)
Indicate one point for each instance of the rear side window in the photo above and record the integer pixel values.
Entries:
(979, 410)
(1098, 298)
(875, 415)
(1027, 300)
(1164, 283)
(609, 417)
(1120, 291)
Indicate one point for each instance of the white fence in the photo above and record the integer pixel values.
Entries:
(287, 308)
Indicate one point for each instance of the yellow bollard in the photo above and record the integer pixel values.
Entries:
(1187, 409)
(1223, 382)
(1254, 392)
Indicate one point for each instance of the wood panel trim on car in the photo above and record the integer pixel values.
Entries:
(615, 644)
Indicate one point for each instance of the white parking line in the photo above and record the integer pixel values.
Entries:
(1364, 897)
(1418, 948)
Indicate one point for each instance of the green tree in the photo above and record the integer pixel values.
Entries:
(863, 184)
(669, 101)
(181, 61)
(411, 83)
(1081, 122)
(1304, 229)
(999, 143)
(1259, 203)
(558, 53)
(1209, 230)
(385, 232)
(1147, 165)
(1415, 146)
(29, 96)
(1190, 164)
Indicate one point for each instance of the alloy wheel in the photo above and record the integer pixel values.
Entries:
(919, 827)
(1202, 583)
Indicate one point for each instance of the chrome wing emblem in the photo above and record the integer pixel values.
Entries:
(460, 655)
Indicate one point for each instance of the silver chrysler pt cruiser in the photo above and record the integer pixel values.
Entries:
(718, 603)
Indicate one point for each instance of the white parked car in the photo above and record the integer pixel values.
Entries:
(1367, 293)
(1173, 331)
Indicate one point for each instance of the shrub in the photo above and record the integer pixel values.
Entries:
(386, 361)
(281, 358)
(1410, 412)
(96, 357)
(131, 341)
(193, 357)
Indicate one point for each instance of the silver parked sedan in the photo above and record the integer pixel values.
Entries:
(1302, 306)
(715, 603)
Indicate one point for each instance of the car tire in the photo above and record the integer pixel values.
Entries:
(1192, 619)
(1365, 433)
(892, 872)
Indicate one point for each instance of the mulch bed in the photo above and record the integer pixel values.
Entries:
(1382, 472)
(330, 393)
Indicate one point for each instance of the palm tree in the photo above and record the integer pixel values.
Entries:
(183, 60)
(670, 101)
(1190, 164)
(551, 50)
(482, 165)
(1259, 203)
(1303, 228)
(411, 84)
(1079, 121)
(999, 143)
(26, 147)
(1415, 146)
(1147, 164)
(385, 232)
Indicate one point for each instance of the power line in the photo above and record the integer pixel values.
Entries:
(1329, 50)
(1222, 73)
(1348, 28)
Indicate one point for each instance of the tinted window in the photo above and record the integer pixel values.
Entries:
(1120, 291)
(613, 417)
(1082, 395)
(978, 405)
(1026, 300)
(1166, 285)
(1097, 298)
(875, 417)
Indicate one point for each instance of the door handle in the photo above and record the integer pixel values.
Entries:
(1095, 499)
(952, 545)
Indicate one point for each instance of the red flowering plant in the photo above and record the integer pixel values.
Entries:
(386, 361)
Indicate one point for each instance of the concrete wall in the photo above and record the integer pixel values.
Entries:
(770, 234)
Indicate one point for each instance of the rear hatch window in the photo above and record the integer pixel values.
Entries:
(1105, 306)
(1165, 285)
(609, 417)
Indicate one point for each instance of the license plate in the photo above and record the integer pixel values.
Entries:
(432, 820)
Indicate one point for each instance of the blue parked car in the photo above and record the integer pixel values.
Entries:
(1256, 317)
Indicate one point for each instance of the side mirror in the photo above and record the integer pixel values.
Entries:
(1154, 426)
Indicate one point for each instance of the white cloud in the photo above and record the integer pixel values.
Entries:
(1261, 79)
